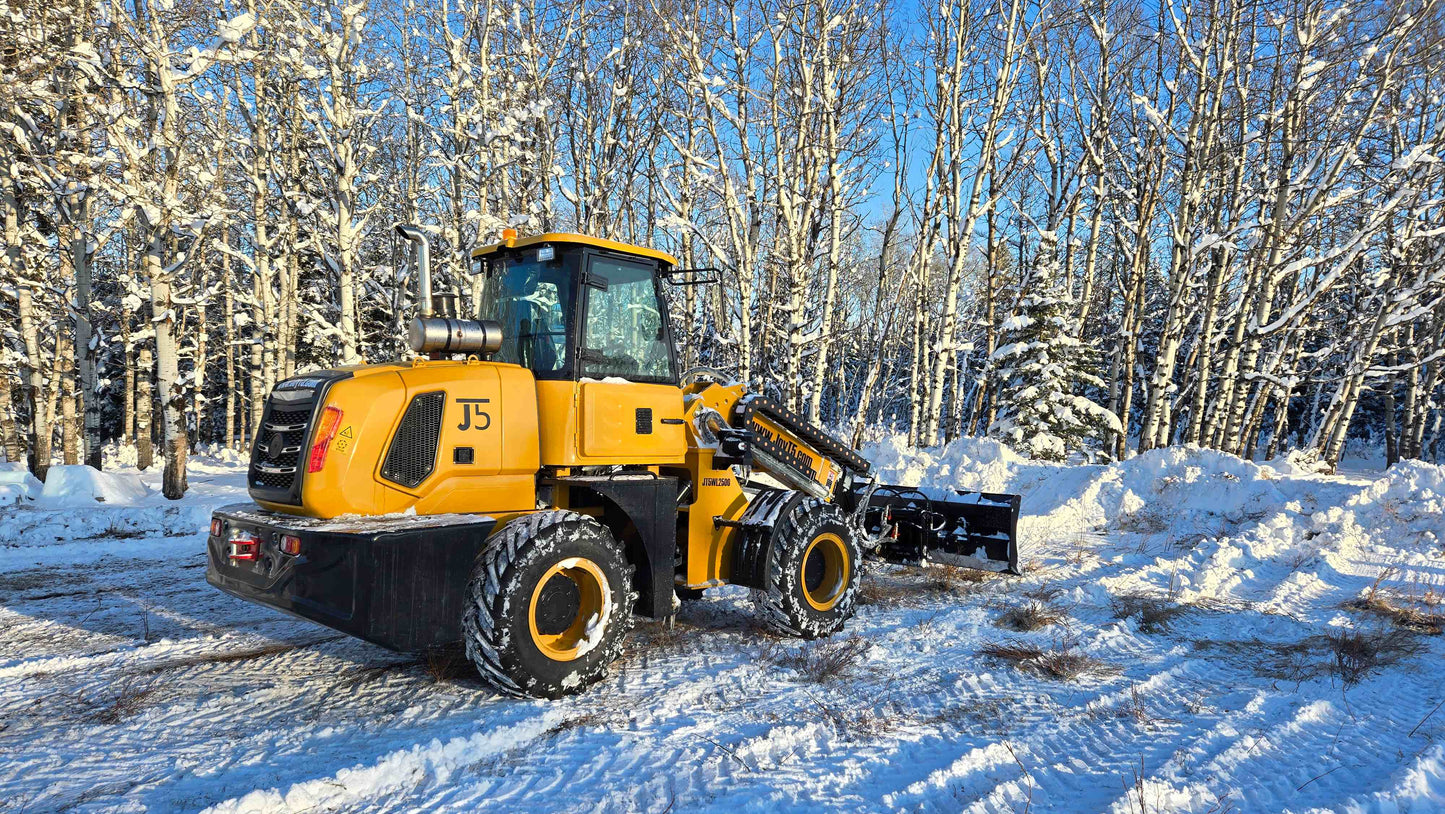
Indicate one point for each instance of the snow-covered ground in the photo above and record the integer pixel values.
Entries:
(1201, 598)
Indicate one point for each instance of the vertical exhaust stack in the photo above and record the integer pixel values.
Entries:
(445, 334)
(413, 234)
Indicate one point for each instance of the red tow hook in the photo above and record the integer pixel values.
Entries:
(243, 546)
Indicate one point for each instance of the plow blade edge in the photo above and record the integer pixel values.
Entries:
(971, 529)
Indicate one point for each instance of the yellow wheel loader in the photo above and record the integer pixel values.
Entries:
(544, 471)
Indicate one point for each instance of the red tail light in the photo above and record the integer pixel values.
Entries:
(290, 544)
(325, 431)
(217, 527)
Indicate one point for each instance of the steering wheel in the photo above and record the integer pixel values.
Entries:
(627, 364)
(704, 373)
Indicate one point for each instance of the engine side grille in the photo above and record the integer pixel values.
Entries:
(278, 451)
(276, 455)
(413, 452)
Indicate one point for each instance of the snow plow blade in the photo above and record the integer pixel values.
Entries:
(915, 525)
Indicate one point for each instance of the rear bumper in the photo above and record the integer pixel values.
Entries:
(396, 582)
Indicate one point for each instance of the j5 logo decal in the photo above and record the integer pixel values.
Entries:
(473, 417)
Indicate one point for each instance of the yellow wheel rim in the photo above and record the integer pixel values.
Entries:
(569, 609)
(825, 570)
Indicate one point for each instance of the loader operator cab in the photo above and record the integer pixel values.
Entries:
(578, 310)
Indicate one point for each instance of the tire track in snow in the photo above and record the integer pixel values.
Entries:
(242, 736)
(404, 770)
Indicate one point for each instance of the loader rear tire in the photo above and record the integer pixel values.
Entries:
(548, 606)
(811, 584)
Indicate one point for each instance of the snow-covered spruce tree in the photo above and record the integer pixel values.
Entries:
(1040, 367)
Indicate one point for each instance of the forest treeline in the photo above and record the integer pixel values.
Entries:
(1093, 227)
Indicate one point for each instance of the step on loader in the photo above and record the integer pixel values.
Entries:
(543, 471)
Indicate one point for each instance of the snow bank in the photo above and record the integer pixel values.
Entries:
(1175, 485)
(79, 486)
(1299, 462)
(979, 464)
(17, 484)
(1249, 513)
(1404, 508)
(77, 506)
(1415, 487)
(221, 454)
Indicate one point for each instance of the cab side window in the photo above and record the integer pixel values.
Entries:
(531, 300)
(623, 331)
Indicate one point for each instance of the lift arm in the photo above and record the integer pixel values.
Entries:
(897, 523)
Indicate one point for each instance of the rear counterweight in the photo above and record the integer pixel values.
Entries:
(396, 583)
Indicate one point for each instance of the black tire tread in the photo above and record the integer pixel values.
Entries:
(501, 561)
(778, 604)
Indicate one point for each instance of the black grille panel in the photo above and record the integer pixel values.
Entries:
(413, 452)
(276, 455)
(274, 481)
(287, 418)
(279, 451)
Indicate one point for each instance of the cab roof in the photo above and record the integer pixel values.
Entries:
(582, 240)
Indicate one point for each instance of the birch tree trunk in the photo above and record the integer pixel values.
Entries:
(35, 385)
(1422, 384)
(1094, 147)
(340, 125)
(65, 385)
(229, 331)
(128, 431)
(260, 298)
(983, 409)
(882, 334)
(84, 336)
(167, 372)
(198, 371)
(821, 371)
(163, 314)
(284, 313)
(1199, 146)
(9, 429)
(144, 403)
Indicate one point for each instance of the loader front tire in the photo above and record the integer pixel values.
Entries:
(548, 606)
(811, 584)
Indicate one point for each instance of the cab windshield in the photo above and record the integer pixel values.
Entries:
(532, 300)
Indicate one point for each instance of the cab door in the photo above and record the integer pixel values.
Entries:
(631, 407)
